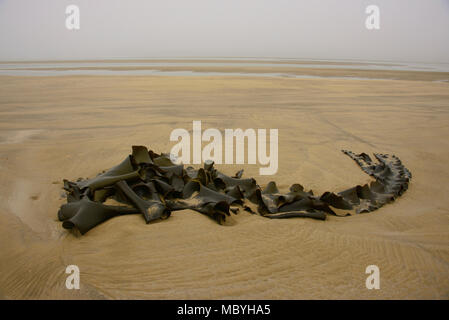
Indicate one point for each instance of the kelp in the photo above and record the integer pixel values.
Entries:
(151, 184)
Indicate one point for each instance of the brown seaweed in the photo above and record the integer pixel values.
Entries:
(150, 184)
(86, 214)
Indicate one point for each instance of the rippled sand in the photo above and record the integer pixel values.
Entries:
(68, 127)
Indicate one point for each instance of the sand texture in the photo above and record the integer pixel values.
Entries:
(75, 126)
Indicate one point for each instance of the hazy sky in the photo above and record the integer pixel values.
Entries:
(410, 30)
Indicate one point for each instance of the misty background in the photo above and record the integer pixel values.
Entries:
(410, 30)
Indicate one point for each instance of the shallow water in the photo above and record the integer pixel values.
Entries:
(165, 73)
(151, 68)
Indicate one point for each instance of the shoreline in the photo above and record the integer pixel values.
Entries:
(246, 68)
(309, 73)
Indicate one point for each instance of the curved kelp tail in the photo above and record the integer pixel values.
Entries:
(392, 179)
(152, 185)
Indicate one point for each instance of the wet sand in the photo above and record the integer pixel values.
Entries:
(285, 71)
(49, 126)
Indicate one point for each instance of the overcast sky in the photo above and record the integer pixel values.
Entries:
(410, 30)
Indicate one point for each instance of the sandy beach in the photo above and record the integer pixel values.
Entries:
(59, 127)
